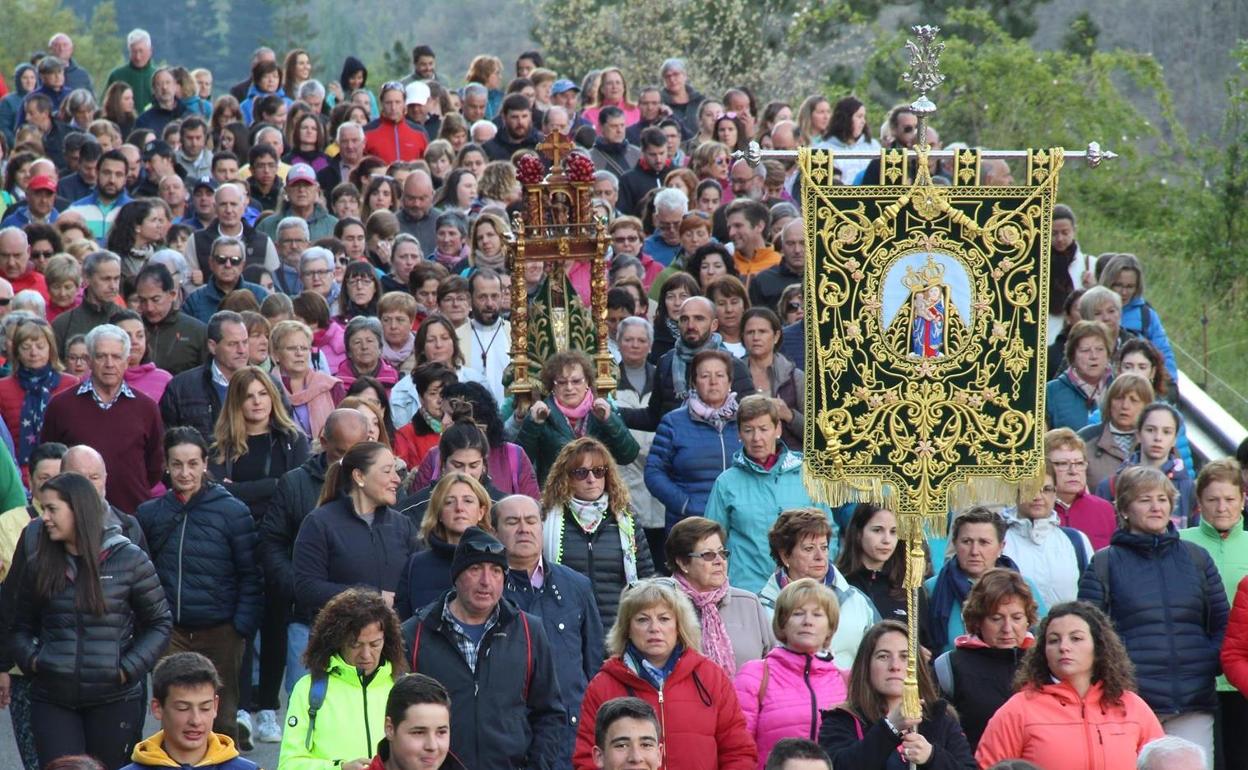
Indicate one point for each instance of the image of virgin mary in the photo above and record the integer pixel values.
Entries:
(927, 328)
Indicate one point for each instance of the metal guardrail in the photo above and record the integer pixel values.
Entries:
(1211, 430)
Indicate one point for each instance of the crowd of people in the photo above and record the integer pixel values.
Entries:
(258, 448)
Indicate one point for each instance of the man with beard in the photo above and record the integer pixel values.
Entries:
(486, 338)
(672, 381)
(518, 132)
(100, 208)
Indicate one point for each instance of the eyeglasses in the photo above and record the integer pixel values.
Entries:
(1070, 465)
(1048, 490)
(83, 358)
(907, 130)
(580, 474)
(625, 239)
(297, 349)
(342, 261)
(317, 273)
(360, 280)
(571, 383)
(710, 556)
(235, 261)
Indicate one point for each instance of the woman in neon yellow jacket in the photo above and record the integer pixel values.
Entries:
(337, 713)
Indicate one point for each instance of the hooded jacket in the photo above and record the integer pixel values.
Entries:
(76, 659)
(425, 576)
(977, 679)
(1168, 604)
(1066, 405)
(348, 724)
(799, 688)
(1053, 727)
(700, 717)
(204, 550)
(956, 627)
(746, 499)
(11, 109)
(1235, 647)
(858, 613)
(1045, 555)
(222, 754)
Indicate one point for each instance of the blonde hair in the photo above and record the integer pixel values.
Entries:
(62, 268)
(33, 328)
(801, 592)
(230, 434)
(1135, 481)
(645, 594)
(284, 329)
(432, 523)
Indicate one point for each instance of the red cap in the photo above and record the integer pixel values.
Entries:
(42, 182)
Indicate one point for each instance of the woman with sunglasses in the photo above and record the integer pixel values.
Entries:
(736, 628)
(654, 656)
(590, 526)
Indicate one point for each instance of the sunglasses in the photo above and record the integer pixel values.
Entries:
(41, 254)
(794, 307)
(491, 548)
(235, 261)
(580, 474)
(909, 129)
(710, 556)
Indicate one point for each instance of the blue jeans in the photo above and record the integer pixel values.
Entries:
(296, 643)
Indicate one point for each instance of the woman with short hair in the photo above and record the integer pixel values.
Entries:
(1108, 443)
(1075, 395)
(364, 340)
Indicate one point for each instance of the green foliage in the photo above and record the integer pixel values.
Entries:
(1081, 38)
(28, 24)
(781, 48)
(1017, 18)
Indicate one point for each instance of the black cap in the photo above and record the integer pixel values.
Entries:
(475, 547)
(157, 147)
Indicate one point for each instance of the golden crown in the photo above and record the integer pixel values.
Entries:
(931, 274)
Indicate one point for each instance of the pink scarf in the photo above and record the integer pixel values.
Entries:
(716, 645)
(396, 356)
(576, 414)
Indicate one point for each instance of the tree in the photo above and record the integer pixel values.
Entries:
(29, 24)
(1016, 17)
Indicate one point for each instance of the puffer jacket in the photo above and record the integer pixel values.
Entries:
(1235, 648)
(1066, 406)
(853, 744)
(1046, 555)
(978, 680)
(858, 612)
(746, 499)
(425, 576)
(1230, 554)
(1053, 727)
(600, 558)
(700, 717)
(686, 458)
(295, 496)
(1167, 603)
(204, 550)
(75, 659)
(542, 442)
(1184, 513)
(348, 724)
(798, 688)
(191, 399)
(1133, 321)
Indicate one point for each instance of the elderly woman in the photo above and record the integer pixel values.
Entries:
(1124, 274)
(571, 411)
(799, 542)
(977, 675)
(735, 627)
(764, 480)
(397, 312)
(36, 378)
(1103, 304)
(1108, 443)
(364, 339)
(1049, 554)
(1166, 599)
(654, 656)
(695, 443)
(783, 694)
(451, 236)
(1075, 395)
(313, 395)
(1156, 438)
(774, 374)
(634, 337)
(355, 644)
(1076, 683)
(589, 525)
(869, 730)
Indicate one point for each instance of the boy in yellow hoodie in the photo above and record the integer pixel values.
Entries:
(184, 699)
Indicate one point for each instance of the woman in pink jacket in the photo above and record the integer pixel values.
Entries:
(1077, 706)
(783, 694)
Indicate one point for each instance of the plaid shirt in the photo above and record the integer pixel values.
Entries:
(88, 386)
(468, 648)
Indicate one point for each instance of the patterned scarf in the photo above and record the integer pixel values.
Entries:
(684, 359)
(716, 645)
(588, 516)
(38, 385)
(1093, 392)
(718, 416)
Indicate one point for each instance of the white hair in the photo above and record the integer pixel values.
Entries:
(483, 125)
(637, 321)
(311, 88)
(315, 254)
(138, 36)
(108, 331)
(294, 223)
(11, 230)
(1157, 755)
(607, 176)
(345, 126)
(30, 300)
(673, 64)
(670, 199)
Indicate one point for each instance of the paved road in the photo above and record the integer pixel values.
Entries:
(265, 754)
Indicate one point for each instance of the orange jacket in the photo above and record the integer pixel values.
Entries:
(1053, 727)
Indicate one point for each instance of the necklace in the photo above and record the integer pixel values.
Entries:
(485, 349)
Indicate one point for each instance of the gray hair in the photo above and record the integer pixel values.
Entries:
(229, 240)
(176, 263)
(80, 99)
(672, 65)
(475, 89)
(108, 331)
(361, 324)
(311, 88)
(600, 176)
(294, 223)
(671, 200)
(1156, 754)
(345, 126)
(783, 209)
(1096, 297)
(216, 195)
(11, 230)
(138, 35)
(637, 321)
(97, 258)
(30, 300)
(316, 254)
(268, 130)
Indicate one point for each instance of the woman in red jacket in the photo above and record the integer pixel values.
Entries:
(653, 647)
(37, 377)
(1077, 706)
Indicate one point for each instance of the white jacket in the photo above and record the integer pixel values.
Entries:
(1045, 554)
(858, 614)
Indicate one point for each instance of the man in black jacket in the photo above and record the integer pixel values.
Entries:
(767, 286)
(472, 635)
(697, 333)
(297, 493)
(648, 174)
(195, 396)
(517, 131)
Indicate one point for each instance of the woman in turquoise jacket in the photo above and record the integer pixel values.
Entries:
(764, 481)
(337, 712)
